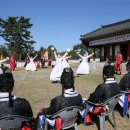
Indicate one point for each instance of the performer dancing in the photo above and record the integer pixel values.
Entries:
(1, 61)
(26, 60)
(31, 66)
(58, 69)
(84, 66)
(12, 63)
(118, 63)
(65, 63)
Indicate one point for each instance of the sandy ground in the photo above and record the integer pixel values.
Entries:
(38, 90)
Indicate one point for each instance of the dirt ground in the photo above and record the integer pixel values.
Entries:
(38, 90)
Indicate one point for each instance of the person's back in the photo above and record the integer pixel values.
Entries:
(19, 107)
(107, 89)
(69, 97)
(125, 81)
(103, 92)
(125, 86)
(9, 103)
(63, 101)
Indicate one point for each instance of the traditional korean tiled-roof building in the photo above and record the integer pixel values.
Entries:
(109, 39)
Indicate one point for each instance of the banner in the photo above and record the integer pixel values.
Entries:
(114, 39)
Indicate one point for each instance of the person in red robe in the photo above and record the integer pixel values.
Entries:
(118, 62)
(12, 63)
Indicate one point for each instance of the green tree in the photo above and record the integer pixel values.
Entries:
(51, 52)
(15, 31)
(3, 51)
(40, 51)
(80, 48)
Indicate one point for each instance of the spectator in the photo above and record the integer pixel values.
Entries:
(118, 63)
(9, 103)
(103, 92)
(42, 61)
(69, 96)
(125, 86)
(125, 81)
(27, 60)
(12, 63)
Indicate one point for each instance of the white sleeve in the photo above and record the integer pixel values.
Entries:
(80, 56)
(90, 55)
(55, 55)
(1, 61)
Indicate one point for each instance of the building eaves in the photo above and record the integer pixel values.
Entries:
(114, 29)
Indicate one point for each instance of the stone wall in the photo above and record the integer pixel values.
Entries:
(94, 66)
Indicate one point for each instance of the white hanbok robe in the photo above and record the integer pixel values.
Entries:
(1, 61)
(31, 66)
(65, 64)
(84, 66)
(58, 68)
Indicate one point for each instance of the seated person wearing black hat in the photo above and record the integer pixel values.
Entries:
(125, 83)
(69, 96)
(9, 103)
(103, 92)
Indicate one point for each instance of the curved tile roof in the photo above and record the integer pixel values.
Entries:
(108, 30)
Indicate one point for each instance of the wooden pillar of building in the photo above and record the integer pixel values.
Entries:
(94, 56)
(100, 53)
(113, 53)
(128, 50)
(107, 52)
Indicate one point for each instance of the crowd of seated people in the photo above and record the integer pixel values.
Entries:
(9, 103)
(69, 97)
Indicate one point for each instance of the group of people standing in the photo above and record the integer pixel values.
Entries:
(62, 62)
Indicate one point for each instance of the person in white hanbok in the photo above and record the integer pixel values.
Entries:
(58, 68)
(1, 61)
(65, 63)
(84, 66)
(31, 66)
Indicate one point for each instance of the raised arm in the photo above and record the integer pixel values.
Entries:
(35, 56)
(55, 54)
(80, 56)
(68, 57)
(90, 55)
(64, 56)
(28, 56)
(1, 61)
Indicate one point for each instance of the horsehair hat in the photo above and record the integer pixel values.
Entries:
(108, 70)
(67, 78)
(6, 79)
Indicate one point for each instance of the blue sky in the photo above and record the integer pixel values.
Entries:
(61, 22)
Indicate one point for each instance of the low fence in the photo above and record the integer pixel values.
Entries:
(95, 66)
